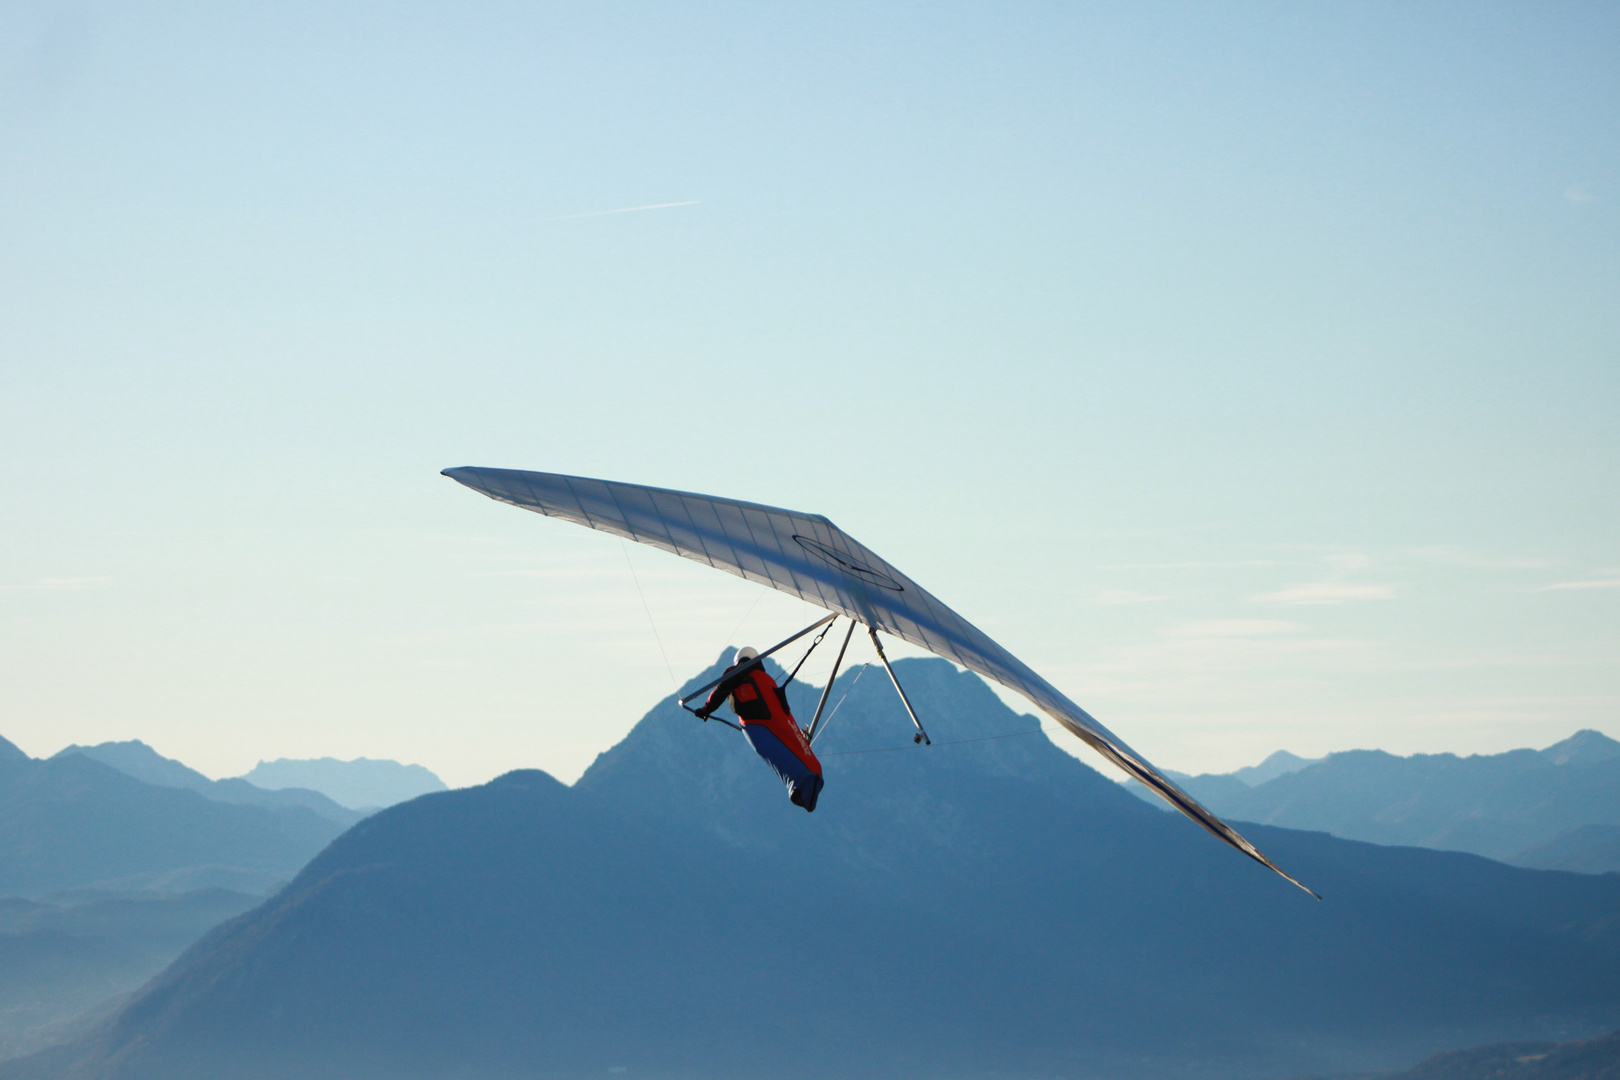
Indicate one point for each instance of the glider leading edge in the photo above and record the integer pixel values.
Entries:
(807, 556)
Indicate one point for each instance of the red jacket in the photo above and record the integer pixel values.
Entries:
(756, 699)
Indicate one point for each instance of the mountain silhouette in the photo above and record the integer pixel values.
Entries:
(135, 758)
(1592, 1059)
(361, 784)
(1278, 764)
(10, 753)
(1529, 807)
(1585, 849)
(71, 822)
(988, 906)
(73, 953)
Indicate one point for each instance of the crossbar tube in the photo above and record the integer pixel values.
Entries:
(694, 695)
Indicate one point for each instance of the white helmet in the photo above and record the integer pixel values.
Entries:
(745, 654)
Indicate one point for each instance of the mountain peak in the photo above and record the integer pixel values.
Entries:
(10, 751)
(1278, 764)
(135, 758)
(707, 777)
(984, 906)
(357, 784)
(1585, 747)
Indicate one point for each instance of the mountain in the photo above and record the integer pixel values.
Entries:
(1278, 764)
(135, 758)
(1586, 849)
(95, 868)
(1211, 788)
(363, 783)
(10, 753)
(988, 906)
(1529, 807)
(73, 953)
(1596, 1059)
(72, 822)
(1585, 747)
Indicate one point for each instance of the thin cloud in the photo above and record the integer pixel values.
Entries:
(1460, 557)
(62, 583)
(566, 573)
(1229, 628)
(1190, 565)
(1346, 561)
(1579, 193)
(1327, 592)
(1116, 597)
(626, 210)
(1596, 583)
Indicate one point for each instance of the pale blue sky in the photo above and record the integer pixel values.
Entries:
(1249, 370)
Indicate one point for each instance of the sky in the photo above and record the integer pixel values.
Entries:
(1249, 370)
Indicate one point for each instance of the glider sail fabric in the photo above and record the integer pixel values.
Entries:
(807, 556)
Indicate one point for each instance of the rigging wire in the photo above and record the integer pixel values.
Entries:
(759, 594)
(650, 621)
(951, 742)
(861, 671)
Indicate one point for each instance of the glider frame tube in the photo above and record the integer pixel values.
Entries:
(760, 659)
(807, 556)
(922, 736)
(826, 691)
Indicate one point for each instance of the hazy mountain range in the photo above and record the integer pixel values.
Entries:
(114, 858)
(986, 907)
(135, 758)
(61, 957)
(361, 784)
(72, 822)
(1554, 809)
(344, 791)
(1593, 1059)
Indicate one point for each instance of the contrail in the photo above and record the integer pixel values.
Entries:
(626, 210)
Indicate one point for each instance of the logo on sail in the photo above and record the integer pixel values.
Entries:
(849, 564)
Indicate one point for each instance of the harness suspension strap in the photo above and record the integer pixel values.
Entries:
(712, 683)
(813, 643)
(921, 736)
(826, 692)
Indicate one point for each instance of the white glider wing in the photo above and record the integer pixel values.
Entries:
(808, 556)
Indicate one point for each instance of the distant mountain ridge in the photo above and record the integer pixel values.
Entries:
(1278, 764)
(113, 859)
(72, 822)
(74, 952)
(977, 908)
(1594, 1059)
(361, 784)
(1555, 809)
(135, 758)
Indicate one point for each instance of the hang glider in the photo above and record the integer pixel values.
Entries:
(807, 556)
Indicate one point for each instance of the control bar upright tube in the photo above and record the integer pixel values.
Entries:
(826, 691)
(921, 736)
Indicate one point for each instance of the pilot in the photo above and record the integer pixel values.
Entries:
(762, 707)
